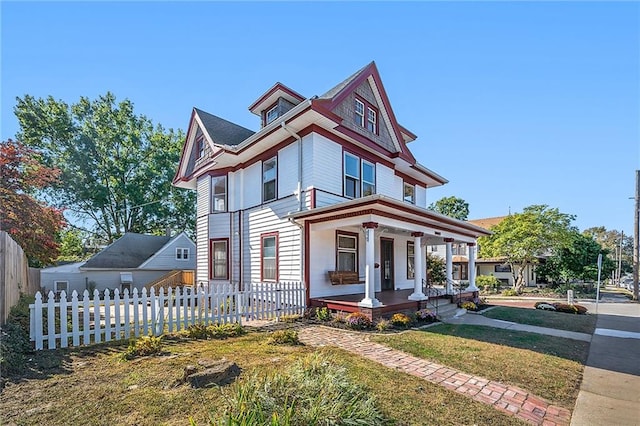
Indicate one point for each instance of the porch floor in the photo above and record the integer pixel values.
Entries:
(391, 301)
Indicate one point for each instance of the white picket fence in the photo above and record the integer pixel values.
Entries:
(111, 316)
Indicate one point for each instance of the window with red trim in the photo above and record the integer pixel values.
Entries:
(219, 259)
(269, 257)
(346, 251)
(366, 115)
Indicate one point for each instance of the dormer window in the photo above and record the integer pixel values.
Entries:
(271, 115)
(366, 115)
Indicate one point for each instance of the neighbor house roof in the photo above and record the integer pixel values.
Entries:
(487, 222)
(129, 251)
(223, 132)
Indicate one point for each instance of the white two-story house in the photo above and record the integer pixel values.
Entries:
(327, 184)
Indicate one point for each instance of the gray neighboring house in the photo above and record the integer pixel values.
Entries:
(132, 261)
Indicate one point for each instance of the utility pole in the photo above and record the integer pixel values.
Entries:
(620, 259)
(636, 237)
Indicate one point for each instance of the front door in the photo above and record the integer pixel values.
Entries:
(386, 263)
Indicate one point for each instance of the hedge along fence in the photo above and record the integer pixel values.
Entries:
(111, 316)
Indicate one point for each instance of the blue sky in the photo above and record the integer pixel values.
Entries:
(515, 103)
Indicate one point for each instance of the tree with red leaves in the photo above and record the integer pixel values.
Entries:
(33, 224)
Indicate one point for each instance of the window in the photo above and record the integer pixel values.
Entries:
(271, 115)
(459, 249)
(219, 194)
(368, 178)
(371, 120)
(346, 252)
(219, 258)
(411, 261)
(182, 253)
(502, 268)
(434, 248)
(59, 286)
(359, 113)
(200, 147)
(269, 257)
(269, 179)
(351, 176)
(354, 168)
(460, 271)
(409, 193)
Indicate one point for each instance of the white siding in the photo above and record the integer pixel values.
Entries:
(165, 259)
(252, 185)
(307, 166)
(270, 218)
(326, 199)
(421, 196)
(327, 164)
(288, 170)
(202, 228)
(203, 194)
(386, 182)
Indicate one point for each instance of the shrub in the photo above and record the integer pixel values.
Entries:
(14, 338)
(401, 320)
(144, 346)
(383, 324)
(284, 337)
(323, 314)
(312, 391)
(215, 331)
(425, 315)
(489, 282)
(509, 292)
(290, 318)
(357, 321)
(469, 305)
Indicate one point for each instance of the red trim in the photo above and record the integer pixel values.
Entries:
(471, 244)
(417, 234)
(366, 107)
(183, 158)
(365, 141)
(211, 241)
(272, 90)
(370, 225)
(448, 240)
(393, 263)
(307, 263)
(263, 114)
(262, 237)
(436, 178)
(410, 180)
(414, 258)
(407, 132)
(313, 198)
(357, 237)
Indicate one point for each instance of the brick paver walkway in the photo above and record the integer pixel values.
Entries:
(509, 399)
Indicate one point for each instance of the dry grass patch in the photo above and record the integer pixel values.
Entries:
(549, 367)
(541, 318)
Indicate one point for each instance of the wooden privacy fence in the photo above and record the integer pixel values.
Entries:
(83, 320)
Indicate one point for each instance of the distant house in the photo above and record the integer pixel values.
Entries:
(132, 261)
(495, 266)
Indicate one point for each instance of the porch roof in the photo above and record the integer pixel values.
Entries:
(389, 210)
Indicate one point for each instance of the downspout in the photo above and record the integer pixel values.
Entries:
(295, 135)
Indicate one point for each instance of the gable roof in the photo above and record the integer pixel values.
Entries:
(129, 251)
(487, 223)
(221, 131)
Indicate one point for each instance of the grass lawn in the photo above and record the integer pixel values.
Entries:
(559, 320)
(93, 386)
(550, 367)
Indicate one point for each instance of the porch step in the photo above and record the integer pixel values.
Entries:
(446, 309)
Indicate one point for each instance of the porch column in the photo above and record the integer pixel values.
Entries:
(472, 267)
(369, 300)
(417, 267)
(449, 266)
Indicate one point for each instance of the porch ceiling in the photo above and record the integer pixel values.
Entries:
(396, 216)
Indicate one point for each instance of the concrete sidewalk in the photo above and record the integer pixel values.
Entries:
(610, 389)
(477, 319)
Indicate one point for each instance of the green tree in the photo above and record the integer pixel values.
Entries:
(610, 241)
(71, 245)
(116, 166)
(436, 273)
(30, 222)
(521, 238)
(577, 260)
(454, 207)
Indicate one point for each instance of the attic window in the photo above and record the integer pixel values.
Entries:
(200, 147)
(271, 115)
(182, 253)
(366, 115)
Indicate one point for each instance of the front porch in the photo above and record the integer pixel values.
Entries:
(390, 302)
